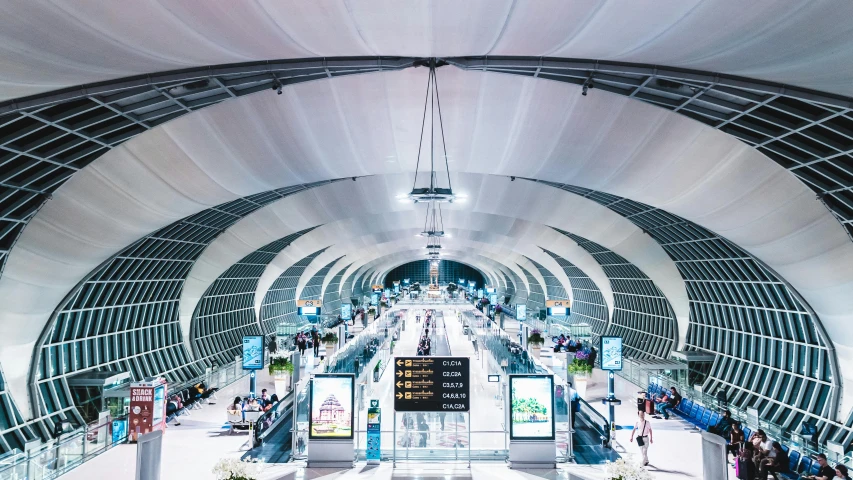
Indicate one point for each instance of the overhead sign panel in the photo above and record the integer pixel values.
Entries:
(558, 303)
(309, 303)
(432, 384)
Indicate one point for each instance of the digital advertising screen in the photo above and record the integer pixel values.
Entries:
(253, 352)
(332, 398)
(159, 409)
(611, 353)
(494, 299)
(521, 312)
(346, 310)
(558, 311)
(119, 430)
(374, 299)
(531, 407)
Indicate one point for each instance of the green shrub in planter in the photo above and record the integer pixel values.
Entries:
(329, 337)
(579, 367)
(280, 365)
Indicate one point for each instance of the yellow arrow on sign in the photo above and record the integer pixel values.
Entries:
(399, 373)
(399, 384)
(399, 396)
(399, 363)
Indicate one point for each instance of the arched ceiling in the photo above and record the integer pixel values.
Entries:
(50, 45)
(497, 125)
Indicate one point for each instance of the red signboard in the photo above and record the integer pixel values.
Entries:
(147, 409)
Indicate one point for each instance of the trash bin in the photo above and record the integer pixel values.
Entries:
(641, 401)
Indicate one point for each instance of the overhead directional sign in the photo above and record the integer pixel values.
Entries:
(309, 303)
(558, 303)
(432, 384)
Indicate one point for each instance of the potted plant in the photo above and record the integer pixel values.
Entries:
(330, 338)
(579, 371)
(281, 369)
(236, 469)
(535, 341)
(371, 312)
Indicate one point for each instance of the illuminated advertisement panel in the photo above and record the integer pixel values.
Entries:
(521, 312)
(332, 399)
(611, 353)
(531, 407)
(253, 352)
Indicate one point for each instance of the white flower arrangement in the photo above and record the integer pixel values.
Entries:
(622, 470)
(236, 469)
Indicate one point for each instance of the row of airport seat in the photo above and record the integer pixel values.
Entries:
(703, 418)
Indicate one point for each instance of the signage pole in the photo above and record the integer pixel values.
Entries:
(394, 443)
(611, 395)
(469, 440)
(252, 383)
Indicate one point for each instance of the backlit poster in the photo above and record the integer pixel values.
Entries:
(521, 312)
(531, 407)
(141, 403)
(611, 353)
(253, 352)
(159, 404)
(119, 430)
(332, 398)
(346, 311)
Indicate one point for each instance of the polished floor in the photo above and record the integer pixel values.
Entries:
(191, 449)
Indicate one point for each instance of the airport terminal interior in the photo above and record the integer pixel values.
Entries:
(426, 239)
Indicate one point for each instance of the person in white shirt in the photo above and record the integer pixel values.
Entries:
(643, 431)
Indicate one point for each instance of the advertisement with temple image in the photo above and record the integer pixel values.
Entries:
(332, 398)
(531, 407)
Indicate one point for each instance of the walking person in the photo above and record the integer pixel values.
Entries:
(643, 429)
(315, 338)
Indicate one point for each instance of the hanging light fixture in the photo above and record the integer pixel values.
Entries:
(433, 230)
(434, 192)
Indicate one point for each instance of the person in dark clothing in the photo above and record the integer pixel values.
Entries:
(736, 440)
(776, 461)
(723, 426)
(841, 471)
(825, 472)
(424, 429)
(591, 358)
(315, 338)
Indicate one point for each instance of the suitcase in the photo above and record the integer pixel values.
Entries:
(744, 469)
(650, 407)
